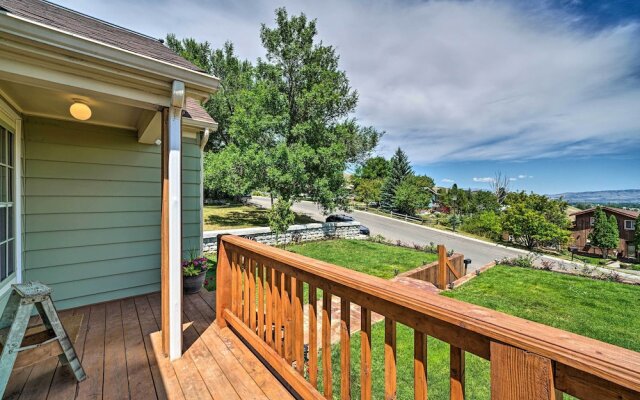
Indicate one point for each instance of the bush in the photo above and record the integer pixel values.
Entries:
(485, 224)
(520, 261)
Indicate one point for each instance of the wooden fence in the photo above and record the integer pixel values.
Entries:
(442, 272)
(260, 296)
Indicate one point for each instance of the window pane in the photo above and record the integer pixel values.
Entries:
(3, 184)
(3, 146)
(10, 185)
(10, 219)
(10, 148)
(3, 224)
(3, 260)
(11, 257)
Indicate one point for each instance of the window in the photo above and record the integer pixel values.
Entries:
(592, 221)
(7, 210)
(629, 225)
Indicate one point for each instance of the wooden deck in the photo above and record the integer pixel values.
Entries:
(119, 344)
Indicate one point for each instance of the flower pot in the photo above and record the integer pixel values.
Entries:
(193, 284)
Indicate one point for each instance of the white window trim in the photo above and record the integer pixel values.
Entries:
(631, 223)
(592, 221)
(14, 121)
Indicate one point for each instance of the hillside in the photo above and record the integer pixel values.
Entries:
(601, 197)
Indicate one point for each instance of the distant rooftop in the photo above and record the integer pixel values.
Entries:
(88, 27)
(615, 210)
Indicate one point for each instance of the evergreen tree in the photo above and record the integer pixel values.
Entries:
(636, 238)
(400, 169)
(605, 232)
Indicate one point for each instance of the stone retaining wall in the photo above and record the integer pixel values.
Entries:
(295, 234)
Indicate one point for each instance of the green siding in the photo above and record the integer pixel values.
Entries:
(92, 210)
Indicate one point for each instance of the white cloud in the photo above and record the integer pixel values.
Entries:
(486, 179)
(513, 179)
(522, 176)
(482, 80)
(447, 180)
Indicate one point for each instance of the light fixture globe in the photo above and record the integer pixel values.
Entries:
(80, 111)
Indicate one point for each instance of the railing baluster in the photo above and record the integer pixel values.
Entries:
(234, 283)
(261, 300)
(365, 354)
(251, 266)
(390, 368)
(457, 373)
(238, 273)
(277, 311)
(245, 290)
(269, 305)
(345, 349)
(327, 379)
(313, 336)
(419, 365)
(288, 318)
(298, 327)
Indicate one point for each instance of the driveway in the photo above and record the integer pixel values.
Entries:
(480, 252)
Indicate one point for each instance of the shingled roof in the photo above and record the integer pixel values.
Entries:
(192, 109)
(79, 24)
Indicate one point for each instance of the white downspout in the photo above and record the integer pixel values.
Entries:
(203, 143)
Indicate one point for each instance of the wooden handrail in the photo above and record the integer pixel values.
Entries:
(580, 366)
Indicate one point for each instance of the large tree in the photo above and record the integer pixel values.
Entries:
(286, 123)
(399, 170)
(535, 220)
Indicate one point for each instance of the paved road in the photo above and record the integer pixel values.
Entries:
(480, 253)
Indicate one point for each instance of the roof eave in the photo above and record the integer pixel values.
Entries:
(198, 84)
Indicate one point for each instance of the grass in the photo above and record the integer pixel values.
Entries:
(238, 216)
(210, 280)
(601, 310)
(376, 259)
(634, 267)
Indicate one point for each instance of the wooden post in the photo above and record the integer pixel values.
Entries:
(518, 374)
(223, 283)
(442, 267)
(164, 235)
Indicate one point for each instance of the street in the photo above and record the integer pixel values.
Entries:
(479, 252)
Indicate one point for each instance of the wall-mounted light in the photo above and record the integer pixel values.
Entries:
(80, 110)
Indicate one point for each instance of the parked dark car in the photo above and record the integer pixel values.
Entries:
(339, 218)
(364, 230)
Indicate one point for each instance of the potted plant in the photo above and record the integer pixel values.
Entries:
(194, 271)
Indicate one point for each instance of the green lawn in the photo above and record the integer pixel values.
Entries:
(377, 259)
(238, 216)
(602, 310)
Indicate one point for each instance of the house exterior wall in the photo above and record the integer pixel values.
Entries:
(583, 228)
(92, 210)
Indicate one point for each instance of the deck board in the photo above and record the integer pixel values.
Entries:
(119, 344)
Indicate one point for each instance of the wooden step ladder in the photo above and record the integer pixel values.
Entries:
(16, 316)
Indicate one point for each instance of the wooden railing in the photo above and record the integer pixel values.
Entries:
(260, 296)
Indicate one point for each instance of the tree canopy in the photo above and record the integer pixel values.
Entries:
(536, 220)
(285, 122)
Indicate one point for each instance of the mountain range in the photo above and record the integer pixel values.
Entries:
(601, 196)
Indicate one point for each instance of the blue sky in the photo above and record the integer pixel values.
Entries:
(547, 92)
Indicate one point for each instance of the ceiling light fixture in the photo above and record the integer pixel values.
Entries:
(80, 110)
